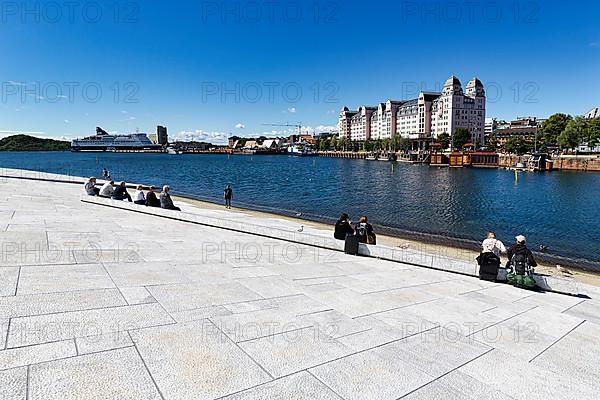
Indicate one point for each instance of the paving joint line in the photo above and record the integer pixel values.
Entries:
(411, 286)
(397, 308)
(146, 366)
(447, 373)
(27, 385)
(281, 333)
(76, 347)
(558, 340)
(7, 333)
(573, 306)
(242, 350)
(324, 384)
(502, 321)
(18, 280)
(365, 350)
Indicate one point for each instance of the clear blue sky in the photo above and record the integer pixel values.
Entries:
(171, 60)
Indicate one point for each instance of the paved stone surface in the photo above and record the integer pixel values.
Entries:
(103, 303)
(117, 374)
(63, 279)
(8, 281)
(301, 386)
(24, 356)
(26, 331)
(196, 361)
(13, 384)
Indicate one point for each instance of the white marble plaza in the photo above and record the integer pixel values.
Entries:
(106, 303)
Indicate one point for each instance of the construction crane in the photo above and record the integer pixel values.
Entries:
(298, 125)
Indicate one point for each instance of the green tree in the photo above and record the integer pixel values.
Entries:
(491, 142)
(444, 140)
(554, 126)
(369, 145)
(333, 142)
(342, 144)
(593, 133)
(30, 143)
(396, 142)
(406, 144)
(461, 137)
(517, 145)
(324, 145)
(387, 144)
(575, 132)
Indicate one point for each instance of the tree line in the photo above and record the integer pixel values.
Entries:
(560, 130)
(462, 136)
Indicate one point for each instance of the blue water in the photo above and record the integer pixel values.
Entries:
(560, 210)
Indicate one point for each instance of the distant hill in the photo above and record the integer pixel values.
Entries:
(30, 143)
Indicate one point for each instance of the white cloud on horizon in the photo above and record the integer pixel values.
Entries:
(200, 135)
(292, 110)
(240, 126)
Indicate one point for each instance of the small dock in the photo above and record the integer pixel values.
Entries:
(344, 154)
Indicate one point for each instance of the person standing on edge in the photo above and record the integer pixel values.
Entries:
(228, 194)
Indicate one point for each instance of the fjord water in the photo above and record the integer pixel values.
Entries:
(560, 210)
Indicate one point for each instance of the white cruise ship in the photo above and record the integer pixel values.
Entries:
(104, 141)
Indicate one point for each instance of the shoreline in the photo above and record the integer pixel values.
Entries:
(459, 249)
(462, 253)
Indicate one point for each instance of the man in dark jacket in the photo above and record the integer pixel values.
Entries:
(151, 199)
(519, 253)
(228, 195)
(343, 228)
(121, 193)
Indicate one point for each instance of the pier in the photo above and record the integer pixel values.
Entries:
(343, 154)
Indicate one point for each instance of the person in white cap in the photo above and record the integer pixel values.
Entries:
(520, 255)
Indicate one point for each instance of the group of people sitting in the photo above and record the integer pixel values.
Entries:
(119, 192)
(363, 230)
(520, 265)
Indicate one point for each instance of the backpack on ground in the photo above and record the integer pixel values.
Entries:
(489, 263)
(351, 245)
(521, 274)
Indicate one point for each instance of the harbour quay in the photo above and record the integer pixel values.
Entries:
(99, 299)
